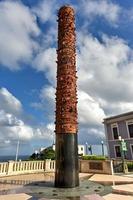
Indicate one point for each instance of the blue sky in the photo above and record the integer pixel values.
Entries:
(28, 38)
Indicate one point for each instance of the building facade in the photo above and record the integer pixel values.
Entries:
(116, 128)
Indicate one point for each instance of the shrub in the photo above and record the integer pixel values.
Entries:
(130, 166)
(93, 157)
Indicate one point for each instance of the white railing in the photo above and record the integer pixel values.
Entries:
(28, 166)
(3, 168)
(50, 165)
(21, 167)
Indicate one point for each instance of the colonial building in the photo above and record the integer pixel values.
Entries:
(119, 127)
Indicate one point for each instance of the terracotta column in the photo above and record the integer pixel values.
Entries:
(66, 102)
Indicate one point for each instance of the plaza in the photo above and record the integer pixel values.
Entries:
(121, 186)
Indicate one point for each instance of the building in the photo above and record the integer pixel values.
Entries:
(116, 128)
(81, 150)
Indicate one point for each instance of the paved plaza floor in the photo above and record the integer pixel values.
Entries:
(122, 188)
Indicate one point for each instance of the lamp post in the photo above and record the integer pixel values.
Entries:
(90, 149)
(86, 148)
(17, 149)
(102, 143)
(123, 149)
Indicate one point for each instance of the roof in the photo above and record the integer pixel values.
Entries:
(123, 115)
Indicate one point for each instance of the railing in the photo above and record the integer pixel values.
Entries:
(50, 165)
(21, 167)
(3, 168)
(24, 167)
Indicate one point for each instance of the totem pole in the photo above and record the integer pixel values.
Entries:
(66, 125)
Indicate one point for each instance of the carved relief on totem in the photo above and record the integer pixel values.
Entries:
(66, 92)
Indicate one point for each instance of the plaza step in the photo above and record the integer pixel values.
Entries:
(126, 189)
(117, 196)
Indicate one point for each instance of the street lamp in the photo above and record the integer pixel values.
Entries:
(90, 149)
(102, 143)
(17, 149)
(86, 148)
(123, 149)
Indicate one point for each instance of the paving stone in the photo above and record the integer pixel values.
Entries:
(21, 196)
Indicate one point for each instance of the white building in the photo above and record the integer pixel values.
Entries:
(81, 150)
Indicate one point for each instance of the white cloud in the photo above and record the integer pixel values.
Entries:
(45, 132)
(9, 103)
(102, 8)
(23, 131)
(44, 10)
(11, 126)
(8, 119)
(114, 108)
(90, 113)
(107, 66)
(17, 29)
(46, 62)
(105, 71)
(51, 127)
(95, 132)
(48, 92)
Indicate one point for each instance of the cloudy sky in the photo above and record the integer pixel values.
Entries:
(28, 34)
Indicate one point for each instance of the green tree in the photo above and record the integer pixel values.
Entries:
(47, 153)
(34, 156)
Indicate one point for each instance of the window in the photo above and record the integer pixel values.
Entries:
(81, 148)
(117, 151)
(130, 129)
(115, 131)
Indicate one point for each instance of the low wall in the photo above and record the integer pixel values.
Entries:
(24, 167)
(95, 166)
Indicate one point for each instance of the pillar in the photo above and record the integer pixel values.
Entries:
(66, 174)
